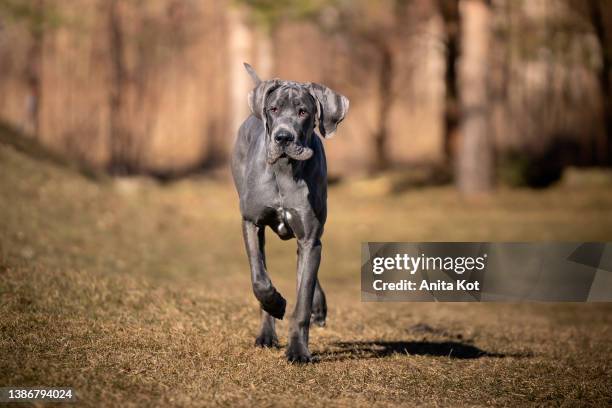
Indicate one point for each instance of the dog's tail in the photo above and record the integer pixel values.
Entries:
(252, 73)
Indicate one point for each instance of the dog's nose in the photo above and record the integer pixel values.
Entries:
(283, 137)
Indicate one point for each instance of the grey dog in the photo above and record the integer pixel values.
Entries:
(280, 173)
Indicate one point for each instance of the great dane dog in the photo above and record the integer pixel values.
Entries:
(280, 173)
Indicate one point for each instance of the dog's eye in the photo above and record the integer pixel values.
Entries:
(273, 109)
(302, 113)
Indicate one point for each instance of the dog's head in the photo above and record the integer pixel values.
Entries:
(290, 110)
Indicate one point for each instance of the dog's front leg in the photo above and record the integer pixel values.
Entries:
(309, 257)
(271, 301)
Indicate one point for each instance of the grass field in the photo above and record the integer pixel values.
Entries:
(137, 294)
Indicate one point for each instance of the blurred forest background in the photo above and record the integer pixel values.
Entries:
(475, 90)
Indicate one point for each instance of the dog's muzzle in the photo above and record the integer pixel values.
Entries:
(285, 144)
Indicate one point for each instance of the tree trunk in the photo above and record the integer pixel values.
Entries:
(385, 92)
(474, 164)
(598, 22)
(34, 71)
(119, 136)
(240, 43)
(449, 10)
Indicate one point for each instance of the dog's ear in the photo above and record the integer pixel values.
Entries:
(257, 96)
(332, 108)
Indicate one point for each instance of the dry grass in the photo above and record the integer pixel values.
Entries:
(138, 294)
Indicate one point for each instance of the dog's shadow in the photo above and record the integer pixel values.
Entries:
(379, 349)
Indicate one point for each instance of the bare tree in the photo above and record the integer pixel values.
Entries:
(37, 17)
(119, 134)
(600, 16)
(449, 11)
(475, 161)
(34, 69)
(240, 43)
(384, 34)
(386, 95)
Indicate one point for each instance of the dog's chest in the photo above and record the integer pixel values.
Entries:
(275, 202)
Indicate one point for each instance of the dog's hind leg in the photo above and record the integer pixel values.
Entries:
(319, 306)
(267, 334)
(271, 301)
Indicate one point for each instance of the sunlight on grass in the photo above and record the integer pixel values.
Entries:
(133, 292)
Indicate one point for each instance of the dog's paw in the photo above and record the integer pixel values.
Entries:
(297, 353)
(317, 318)
(274, 304)
(266, 340)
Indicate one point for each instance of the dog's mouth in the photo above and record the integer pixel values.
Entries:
(293, 151)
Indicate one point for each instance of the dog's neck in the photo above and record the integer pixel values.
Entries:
(286, 167)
